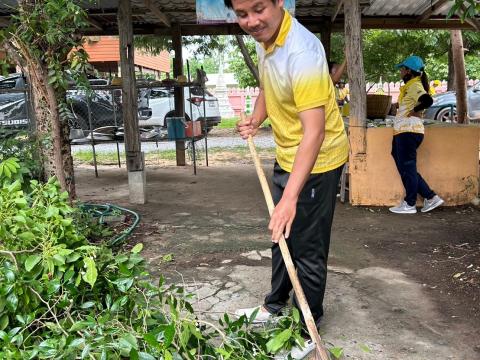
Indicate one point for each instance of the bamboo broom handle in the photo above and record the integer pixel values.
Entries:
(307, 314)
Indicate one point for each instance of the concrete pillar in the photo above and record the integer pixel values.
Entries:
(137, 183)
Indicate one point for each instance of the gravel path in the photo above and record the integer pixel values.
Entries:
(262, 141)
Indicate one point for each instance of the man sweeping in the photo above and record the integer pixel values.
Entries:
(298, 97)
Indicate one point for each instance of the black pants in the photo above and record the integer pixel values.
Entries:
(404, 152)
(308, 243)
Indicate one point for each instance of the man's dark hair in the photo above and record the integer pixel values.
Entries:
(228, 3)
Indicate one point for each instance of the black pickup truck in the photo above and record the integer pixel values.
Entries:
(105, 105)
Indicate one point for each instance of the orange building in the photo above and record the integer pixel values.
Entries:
(104, 55)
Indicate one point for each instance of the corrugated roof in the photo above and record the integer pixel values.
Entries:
(376, 13)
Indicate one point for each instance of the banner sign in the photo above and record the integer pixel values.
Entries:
(215, 12)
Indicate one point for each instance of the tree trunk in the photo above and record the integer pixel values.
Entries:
(460, 76)
(356, 77)
(52, 133)
(248, 60)
(451, 70)
(66, 153)
(56, 156)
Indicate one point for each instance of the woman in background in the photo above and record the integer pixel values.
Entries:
(408, 135)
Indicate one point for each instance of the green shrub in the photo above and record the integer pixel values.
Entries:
(24, 146)
(62, 297)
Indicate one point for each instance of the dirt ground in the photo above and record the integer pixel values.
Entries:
(400, 286)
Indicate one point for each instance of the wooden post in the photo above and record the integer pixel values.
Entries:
(358, 96)
(179, 94)
(326, 38)
(451, 70)
(135, 160)
(356, 76)
(460, 75)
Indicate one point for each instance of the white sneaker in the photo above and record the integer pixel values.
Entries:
(262, 315)
(297, 352)
(431, 204)
(403, 208)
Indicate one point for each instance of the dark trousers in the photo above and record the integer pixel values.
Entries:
(308, 243)
(404, 152)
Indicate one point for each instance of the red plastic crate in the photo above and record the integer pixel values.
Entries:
(196, 128)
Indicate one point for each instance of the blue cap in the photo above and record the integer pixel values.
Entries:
(413, 62)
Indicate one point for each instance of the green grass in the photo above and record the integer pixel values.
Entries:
(164, 154)
(110, 158)
(106, 158)
(229, 123)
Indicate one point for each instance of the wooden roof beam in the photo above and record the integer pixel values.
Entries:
(437, 5)
(95, 24)
(154, 9)
(337, 9)
(474, 23)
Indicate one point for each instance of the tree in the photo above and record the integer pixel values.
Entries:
(210, 65)
(152, 44)
(466, 8)
(208, 49)
(238, 66)
(204, 48)
(252, 66)
(40, 39)
(385, 48)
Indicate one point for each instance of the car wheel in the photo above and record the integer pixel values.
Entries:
(445, 115)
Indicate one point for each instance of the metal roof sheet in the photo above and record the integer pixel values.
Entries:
(380, 12)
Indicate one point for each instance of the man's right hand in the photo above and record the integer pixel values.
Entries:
(247, 127)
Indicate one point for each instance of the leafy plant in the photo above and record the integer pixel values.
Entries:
(62, 297)
(22, 146)
(238, 66)
(336, 352)
(467, 9)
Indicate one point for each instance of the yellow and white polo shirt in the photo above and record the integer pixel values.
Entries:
(407, 100)
(294, 76)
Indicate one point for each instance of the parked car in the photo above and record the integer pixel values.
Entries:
(155, 105)
(104, 111)
(446, 103)
(162, 103)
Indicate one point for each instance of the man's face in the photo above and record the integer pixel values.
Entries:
(259, 18)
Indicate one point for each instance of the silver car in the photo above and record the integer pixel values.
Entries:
(444, 107)
(161, 101)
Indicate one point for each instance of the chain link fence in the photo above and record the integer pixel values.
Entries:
(98, 116)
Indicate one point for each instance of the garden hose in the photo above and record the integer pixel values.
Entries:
(102, 210)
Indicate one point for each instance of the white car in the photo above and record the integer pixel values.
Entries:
(161, 101)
